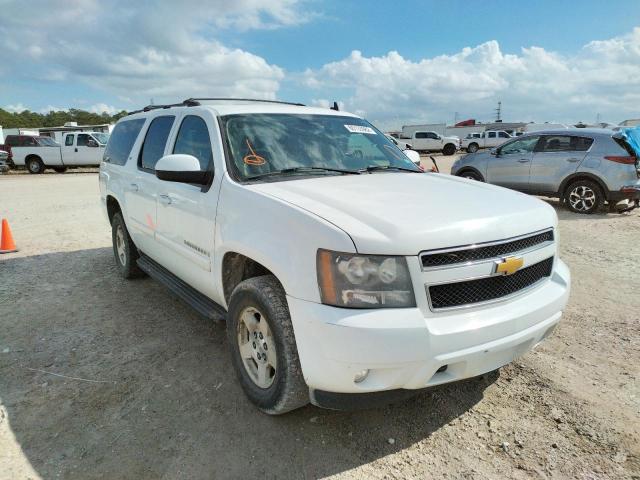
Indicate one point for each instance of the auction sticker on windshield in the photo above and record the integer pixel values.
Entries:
(360, 129)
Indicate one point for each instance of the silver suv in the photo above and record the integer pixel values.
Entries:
(583, 167)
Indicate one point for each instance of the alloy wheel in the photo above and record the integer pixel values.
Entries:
(120, 249)
(257, 347)
(582, 198)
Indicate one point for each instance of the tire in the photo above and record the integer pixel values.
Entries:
(584, 196)
(258, 307)
(473, 147)
(35, 165)
(470, 174)
(124, 250)
(449, 149)
(60, 169)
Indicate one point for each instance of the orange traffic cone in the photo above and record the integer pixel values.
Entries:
(7, 245)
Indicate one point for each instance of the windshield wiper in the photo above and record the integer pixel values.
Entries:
(374, 168)
(286, 171)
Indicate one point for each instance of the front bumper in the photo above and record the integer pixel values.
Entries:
(406, 348)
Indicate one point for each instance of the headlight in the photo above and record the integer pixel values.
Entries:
(364, 281)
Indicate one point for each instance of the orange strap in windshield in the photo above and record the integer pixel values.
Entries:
(253, 158)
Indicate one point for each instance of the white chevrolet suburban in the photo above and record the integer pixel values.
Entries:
(345, 280)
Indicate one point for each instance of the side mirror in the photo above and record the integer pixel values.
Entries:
(181, 168)
(495, 152)
(413, 156)
(92, 143)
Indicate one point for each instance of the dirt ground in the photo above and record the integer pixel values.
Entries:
(106, 378)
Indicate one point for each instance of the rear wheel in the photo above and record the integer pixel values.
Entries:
(35, 165)
(584, 196)
(472, 148)
(449, 149)
(124, 249)
(263, 346)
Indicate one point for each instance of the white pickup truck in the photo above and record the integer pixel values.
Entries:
(432, 142)
(488, 139)
(340, 282)
(79, 149)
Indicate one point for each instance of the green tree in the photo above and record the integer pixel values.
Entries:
(28, 119)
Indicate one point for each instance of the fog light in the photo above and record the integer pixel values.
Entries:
(361, 375)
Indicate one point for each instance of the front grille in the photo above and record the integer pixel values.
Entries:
(489, 288)
(474, 253)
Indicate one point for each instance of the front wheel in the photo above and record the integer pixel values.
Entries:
(263, 346)
(35, 165)
(472, 148)
(584, 196)
(471, 175)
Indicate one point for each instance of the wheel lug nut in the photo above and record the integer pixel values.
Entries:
(258, 356)
(260, 335)
(264, 345)
(255, 335)
(254, 345)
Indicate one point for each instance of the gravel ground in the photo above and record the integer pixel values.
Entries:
(105, 378)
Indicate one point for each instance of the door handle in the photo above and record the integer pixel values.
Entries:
(134, 187)
(572, 160)
(166, 199)
(523, 160)
(76, 150)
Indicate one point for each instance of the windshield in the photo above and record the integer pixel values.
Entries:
(262, 144)
(47, 142)
(102, 138)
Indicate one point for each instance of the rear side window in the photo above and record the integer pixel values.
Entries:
(193, 139)
(564, 143)
(155, 141)
(121, 141)
(12, 141)
(421, 135)
(491, 134)
(68, 141)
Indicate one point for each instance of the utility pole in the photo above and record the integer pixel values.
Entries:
(499, 112)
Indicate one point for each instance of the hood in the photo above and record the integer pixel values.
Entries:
(405, 213)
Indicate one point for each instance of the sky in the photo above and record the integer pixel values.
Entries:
(393, 62)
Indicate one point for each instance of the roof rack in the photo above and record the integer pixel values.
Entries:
(194, 102)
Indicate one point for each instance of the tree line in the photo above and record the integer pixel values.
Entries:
(26, 118)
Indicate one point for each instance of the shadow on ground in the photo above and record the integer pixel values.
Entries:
(155, 395)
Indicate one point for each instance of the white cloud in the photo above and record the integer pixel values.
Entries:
(103, 107)
(603, 77)
(17, 108)
(166, 51)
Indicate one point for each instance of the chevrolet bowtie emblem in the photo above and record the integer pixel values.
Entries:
(508, 265)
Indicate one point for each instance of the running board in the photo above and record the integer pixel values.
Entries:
(199, 302)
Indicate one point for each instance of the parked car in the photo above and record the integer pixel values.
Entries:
(338, 283)
(78, 149)
(432, 142)
(584, 167)
(4, 161)
(489, 139)
(402, 145)
(17, 141)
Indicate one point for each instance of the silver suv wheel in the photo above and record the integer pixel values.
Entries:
(582, 198)
(257, 348)
(120, 248)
